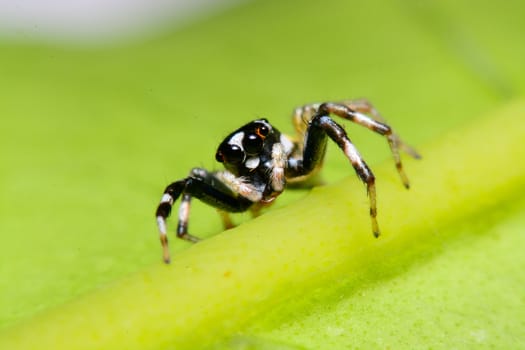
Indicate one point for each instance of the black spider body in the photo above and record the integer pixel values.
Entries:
(259, 161)
(247, 153)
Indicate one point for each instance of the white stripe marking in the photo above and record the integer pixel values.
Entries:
(184, 211)
(236, 184)
(278, 164)
(287, 144)
(364, 120)
(161, 223)
(252, 163)
(237, 139)
(352, 153)
(166, 198)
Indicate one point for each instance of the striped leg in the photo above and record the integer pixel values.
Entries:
(209, 189)
(353, 110)
(364, 106)
(171, 193)
(321, 127)
(184, 215)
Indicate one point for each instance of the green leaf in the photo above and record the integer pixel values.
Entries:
(90, 137)
(214, 288)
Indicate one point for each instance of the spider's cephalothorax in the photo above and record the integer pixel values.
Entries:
(259, 160)
(256, 154)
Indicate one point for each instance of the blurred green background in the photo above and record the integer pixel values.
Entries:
(91, 135)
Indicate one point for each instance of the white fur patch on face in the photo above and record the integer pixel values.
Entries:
(252, 163)
(287, 144)
(237, 139)
(278, 155)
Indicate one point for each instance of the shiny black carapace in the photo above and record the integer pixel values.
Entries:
(259, 161)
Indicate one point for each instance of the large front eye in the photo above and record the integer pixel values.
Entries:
(252, 144)
(230, 154)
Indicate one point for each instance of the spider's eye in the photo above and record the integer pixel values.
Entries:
(262, 131)
(252, 143)
(230, 154)
(219, 157)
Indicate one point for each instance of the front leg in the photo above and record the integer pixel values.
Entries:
(355, 111)
(205, 186)
(321, 127)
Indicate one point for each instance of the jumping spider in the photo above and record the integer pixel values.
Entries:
(259, 161)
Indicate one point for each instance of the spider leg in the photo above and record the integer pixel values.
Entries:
(277, 179)
(227, 222)
(205, 186)
(353, 110)
(364, 106)
(184, 215)
(301, 117)
(321, 127)
(256, 208)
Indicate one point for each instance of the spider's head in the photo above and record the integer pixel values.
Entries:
(247, 146)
